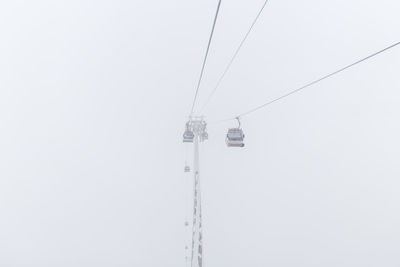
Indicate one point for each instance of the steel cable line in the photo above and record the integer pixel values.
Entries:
(309, 84)
(233, 57)
(205, 57)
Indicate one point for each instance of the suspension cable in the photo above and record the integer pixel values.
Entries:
(233, 57)
(205, 57)
(309, 84)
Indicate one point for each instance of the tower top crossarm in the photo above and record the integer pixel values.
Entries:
(198, 126)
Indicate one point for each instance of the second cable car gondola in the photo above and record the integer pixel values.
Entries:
(188, 135)
(187, 168)
(235, 137)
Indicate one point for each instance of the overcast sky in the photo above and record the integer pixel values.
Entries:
(93, 100)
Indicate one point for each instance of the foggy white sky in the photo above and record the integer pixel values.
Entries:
(93, 100)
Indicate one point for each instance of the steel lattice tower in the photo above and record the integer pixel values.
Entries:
(198, 126)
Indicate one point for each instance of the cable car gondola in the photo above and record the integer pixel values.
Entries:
(188, 135)
(187, 168)
(235, 136)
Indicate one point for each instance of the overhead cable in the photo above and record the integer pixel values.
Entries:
(234, 56)
(311, 83)
(205, 57)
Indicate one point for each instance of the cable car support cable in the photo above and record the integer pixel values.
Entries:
(205, 57)
(233, 57)
(309, 84)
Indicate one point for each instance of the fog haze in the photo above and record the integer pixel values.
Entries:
(93, 100)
